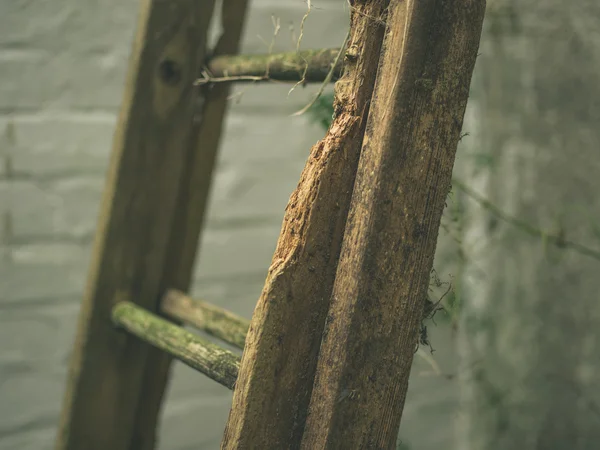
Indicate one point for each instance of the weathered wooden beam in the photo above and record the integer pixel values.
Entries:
(403, 178)
(207, 124)
(272, 393)
(216, 363)
(153, 207)
(211, 319)
(307, 66)
(222, 324)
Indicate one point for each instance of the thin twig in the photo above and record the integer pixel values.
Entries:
(276, 25)
(327, 78)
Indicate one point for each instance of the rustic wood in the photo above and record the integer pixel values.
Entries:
(272, 393)
(216, 363)
(220, 323)
(308, 66)
(211, 319)
(402, 181)
(192, 205)
(153, 206)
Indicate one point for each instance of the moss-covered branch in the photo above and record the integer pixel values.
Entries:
(308, 66)
(218, 364)
(211, 319)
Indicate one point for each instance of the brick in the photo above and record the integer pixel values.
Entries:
(256, 173)
(49, 329)
(31, 23)
(256, 193)
(33, 397)
(238, 293)
(66, 144)
(65, 209)
(45, 272)
(31, 437)
(63, 69)
(59, 269)
(326, 25)
(58, 144)
(58, 69)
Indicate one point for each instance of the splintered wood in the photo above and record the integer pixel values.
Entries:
(273, 389)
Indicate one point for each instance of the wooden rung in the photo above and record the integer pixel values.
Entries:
(211, 319)
(308, 66)
(218, 364)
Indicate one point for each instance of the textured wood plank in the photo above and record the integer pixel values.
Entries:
(211, 319)
(402, 182)
(272, 393)
(189, 215)
(141, 226)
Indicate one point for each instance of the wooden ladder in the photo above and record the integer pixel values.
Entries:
(154, 204)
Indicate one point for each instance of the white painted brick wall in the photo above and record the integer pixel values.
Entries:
(62, 68)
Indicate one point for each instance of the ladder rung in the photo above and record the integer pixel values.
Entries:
(307, 66)
(217, 363)
(211, 319)
(224, 325)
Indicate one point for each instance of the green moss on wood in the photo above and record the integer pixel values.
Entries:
(310, 66)
(211, 319)
(218, 364)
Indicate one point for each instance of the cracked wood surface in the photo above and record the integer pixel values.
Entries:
(273, 389)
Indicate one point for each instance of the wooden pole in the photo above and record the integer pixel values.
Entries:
(402, 182)
(272, 393)
(152, 211)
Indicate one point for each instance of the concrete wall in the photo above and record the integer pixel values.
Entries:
(62, 68)
(530, 329)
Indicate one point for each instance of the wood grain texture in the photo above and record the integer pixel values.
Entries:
(206, 129)
(152, 211)
(272, 393)
(402, 182)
